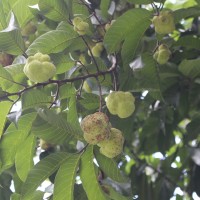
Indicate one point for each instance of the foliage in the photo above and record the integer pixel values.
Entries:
(167, 100)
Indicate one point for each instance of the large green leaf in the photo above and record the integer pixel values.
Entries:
(23, 5)
(37, 195)
(10, 38)
(24, 157)
(33, 98)
(42, 171)
(13, 138)
(57, 41)
(4, 108)
(188, 42)
(190, 68)
(65, 178)
(129, 28)
(54, 128)
(185, 13)
(104, 6)
(54, 10)
(72, 116)
(89, 177)
(109, 167)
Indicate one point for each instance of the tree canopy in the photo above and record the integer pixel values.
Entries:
(59, 62)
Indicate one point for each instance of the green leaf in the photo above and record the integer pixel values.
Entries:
(89, 177)
(190, 68)
(33, 98)
(104, 6)
(37, 195)
(53, 128)
(129, 28)
(6, 79)
(188, 42)
(79, 8)
(24, 157)
(4, 108)
(109, 167)
(15, 196)
(10, 38)
(54, 10)
(90, 101)
(72, 116)
(13, 138)
(23, 5)
(65, 178)
(3, 23)
(186, 13)
(42, 171)
(141, 1)
(57, 41)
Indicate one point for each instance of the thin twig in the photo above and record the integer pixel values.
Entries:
(100, 95)
(61, 82)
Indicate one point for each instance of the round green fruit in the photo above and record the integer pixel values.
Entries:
(121, 104)
(39, 68)
(80, 26)
(113, 146)
(97, 49)
(96, 127)
(162, 55)
(164, 22)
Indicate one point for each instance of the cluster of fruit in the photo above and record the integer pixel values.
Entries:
(98, 130)
(164, 24)
(39, 68)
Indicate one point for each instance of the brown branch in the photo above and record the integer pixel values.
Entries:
(61, 82)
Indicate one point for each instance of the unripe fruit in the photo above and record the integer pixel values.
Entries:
(97, 49)
(87, 87)
(80, 26)
(29, 29)
(121, 104)
(162, 55)
(38, 68)
(107, 26)
(6, 59)
(164, 22)
(96, 127)
(112, 146)
(45, 145)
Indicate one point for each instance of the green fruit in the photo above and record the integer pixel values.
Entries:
(80, 26)
(164, 22)
(39, 68)
(96, 127)
(114, 145)
(87, 87)
(29, 29)
(77, 20)
(162, 55)
(45, 145)
(121, 104)
(97, 49)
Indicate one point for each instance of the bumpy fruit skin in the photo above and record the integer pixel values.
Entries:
(162, 55)
(121, 104)
(80, 26)
(112, 146)
(164, 22)
(96, 127)
(39, 68)
(97, 49)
